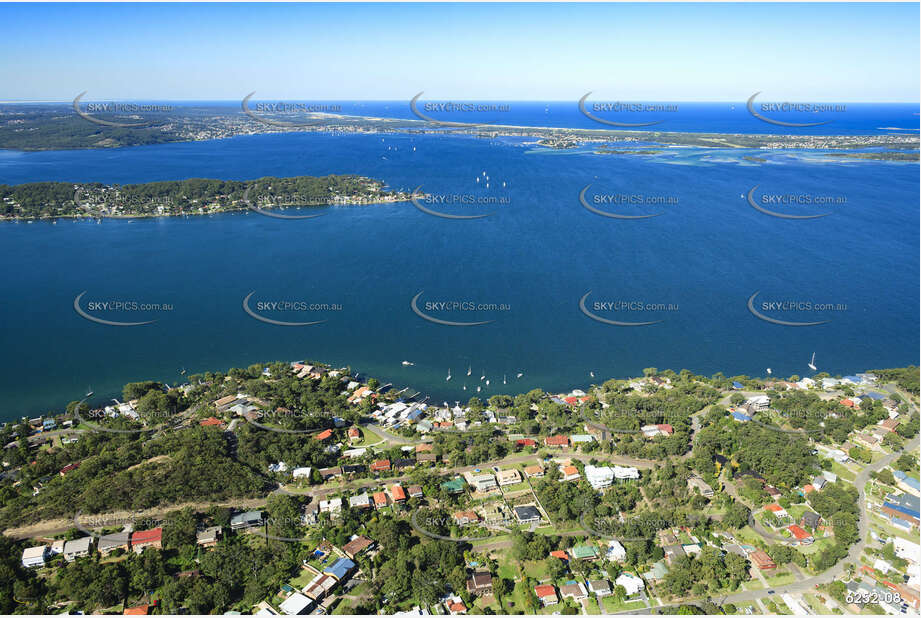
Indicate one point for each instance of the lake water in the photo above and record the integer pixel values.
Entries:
(539, 252)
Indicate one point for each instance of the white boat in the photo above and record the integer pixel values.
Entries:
(504, 381)
(448, 379)
(769, 371)
(591, 373)
(519, 375)
(812, 362)
(469, 369)
(487, 382)
(483, 377)
(89, 391)
(407, 364)
(478, 389)
(465, 387)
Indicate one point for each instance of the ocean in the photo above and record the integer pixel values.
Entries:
(522, 270)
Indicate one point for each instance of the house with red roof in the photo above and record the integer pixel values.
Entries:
(380, 465)
(397, 494)
(559, 553)
(380, 499)
(847, 402)
(354, 434)
(211, 422)
(324, 435)
(525, 442)
(559, 441)
(547, 594)
(775, 508)
(68, 468)
(800, 535)
(137, 610)
(665, 428)
(142, 539)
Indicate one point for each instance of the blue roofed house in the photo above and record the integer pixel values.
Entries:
(48, 424)
(875, 396)
(737, 385)
(741, 416)
(903, 509)
(340, 569)
(906, 483)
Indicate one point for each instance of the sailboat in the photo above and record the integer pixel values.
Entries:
(448, 379)
(89, 391)
(519, 375)
(487, 382)
(812, 362)
(504, 381)
(769, 371)
(407, 364)
(591, 373)
(465, 387)
(469, 369)
(483, 377)
(478, 389)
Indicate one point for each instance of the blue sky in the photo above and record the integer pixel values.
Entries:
(675, 52)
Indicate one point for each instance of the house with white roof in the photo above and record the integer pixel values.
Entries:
(616, 551)
(599, 477)
(631, 583)
(623, 473)
(34, 556)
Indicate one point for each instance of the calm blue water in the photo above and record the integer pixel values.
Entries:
(539, 253)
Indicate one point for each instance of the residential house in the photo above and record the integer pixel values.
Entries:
(560, 554)
(481, 482)
(248, 519)
(296, 605)
(626, 473)
(414, 491)
(600, 588)
(633, 584)
(583, 552)
(535, 471)
(569, 473)
(381, 465)
(759, 402)
(356, 546)
(341, 569)
(397, 494)
(426, 458)
(333, 506)
(616, 552)
(573, 590)
(35, 556)
(557, 441)
(479, 583)
(762, 560)
(142, 539)
(110, 542)
(302, 472)
(599, 477)
(522, 442)
(466, 517)
(330, 473)
(800, 535)
(695, 482)
(360, 501)
(77, 548)
(380, 499)
(509, 477)
(546, 593)
(208, 537)
(526, 514)
(318, 587)
(810, 520)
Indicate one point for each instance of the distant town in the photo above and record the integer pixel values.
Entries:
(297, 488)
(45, 127)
